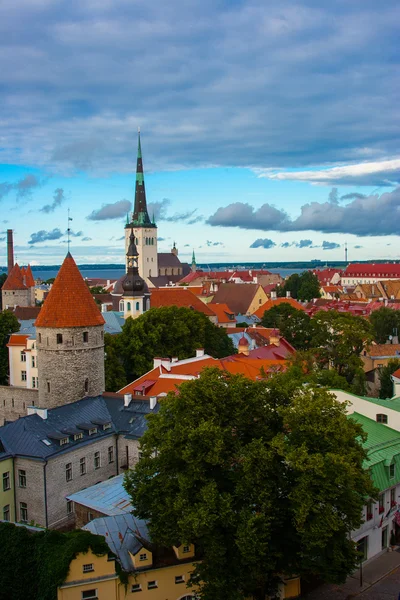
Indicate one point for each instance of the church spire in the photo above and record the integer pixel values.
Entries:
(194, 266)
(140, 215)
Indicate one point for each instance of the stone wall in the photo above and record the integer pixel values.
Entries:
(14, 402)
(33, 493)
(83, 515)
(128, 452)
(71, 368)
(11, 298)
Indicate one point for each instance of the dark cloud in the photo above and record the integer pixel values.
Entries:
(2, 239)
(329, 245)
(23, 187)
(185, 246)
(73, 234)
(111, 211)
(263, 243)
(304, 244)
(358, 247)
(353, 196)
(286, 245)
(333, 197)
(58, 199)
(86, 239)
(160, 211)
(161, 239)
(44, 236)
(210, 243)
(374, 215)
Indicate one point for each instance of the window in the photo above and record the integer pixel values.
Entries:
(78, 436)
(136, 587)
(70, 507)
(23, 356)
(89, 595)
(6, 512)
(23, 375)
(68, 472)
(85, 336)
(93, 431)
(33, 359)
(380, 418)
(179, 579)
(121, 307)
(23, 512)
(88, 568)
(369, 511)
(106, 426)
(392, 471)
(128, 306)
(393, 497)
(185, 549)
(137, 305)
(82, 466)
(59, 338)
(22, 478)
(35, 382)
(90, 516)
(86, 385)
(6, 481)
(40, 338)
(97, 464)
(110, 454)
(64, 441)
(381, 503)
(143, 556)
(48, 387)
(152, 585)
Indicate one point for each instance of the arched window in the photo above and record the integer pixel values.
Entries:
(128, 306)
(121, 306)
(137, 305)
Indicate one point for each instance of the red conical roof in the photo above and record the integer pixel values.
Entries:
(29, 280)
(69, 303)
(15, 280)
(243, 341)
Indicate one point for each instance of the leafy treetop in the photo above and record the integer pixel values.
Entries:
(302, 287)
(263, 477)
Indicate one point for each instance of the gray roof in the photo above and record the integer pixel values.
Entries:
(123, 534)
(28, 328)
(25, 437)
(108, 497)
(167, 259)
(113, 321)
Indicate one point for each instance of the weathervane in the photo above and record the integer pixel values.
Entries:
(69, 230)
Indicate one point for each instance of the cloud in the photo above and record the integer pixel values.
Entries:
(23, 187)
(58, 199)
(161, 239)
(185, 246)
(44, 236)
(333, 197)
(73, 234)
(330, 245)
(263, 243)
(286, 245)
(353, 196)
(115, 210)
(373, 215)
(210, 243)
(86, 239)
(304, 244)
(2, 239)
(160, 211)
(358, 247)
(381, 173)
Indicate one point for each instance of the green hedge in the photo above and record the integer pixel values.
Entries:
(34, 564)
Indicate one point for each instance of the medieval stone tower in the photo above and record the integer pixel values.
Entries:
(144, 229)
(70, 341)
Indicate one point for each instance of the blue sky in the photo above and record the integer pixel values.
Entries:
(270, 131)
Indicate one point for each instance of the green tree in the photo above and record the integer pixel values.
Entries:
(275, 316)
(98, 289)
(298, 330)
(303, 287)
(114, 368)
(236, 467)
(386, 389)
(385, 322)
(50, 281)
(3, 278)
(8, 324)
(169, 331)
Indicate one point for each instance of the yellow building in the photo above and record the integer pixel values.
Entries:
(154, 574)
(7, 505)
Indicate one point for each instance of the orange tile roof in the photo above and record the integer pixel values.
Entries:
(270, 303)
(15, 280)
(178, 296)
(69, 303)
(18, 339)
(222, 311)
(384, 350)
(396, 374)
(29, 280)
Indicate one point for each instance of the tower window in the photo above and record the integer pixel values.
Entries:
(59, 338)
(40, 338)
(85, 336)
(48, 387)
(128, 306)
(86, 385)
(137, 305)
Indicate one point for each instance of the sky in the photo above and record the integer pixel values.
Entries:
(270, 130)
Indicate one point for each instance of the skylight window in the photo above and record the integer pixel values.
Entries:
(46, 442)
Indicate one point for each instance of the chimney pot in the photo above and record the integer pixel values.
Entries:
(199, 352)
(153, 402)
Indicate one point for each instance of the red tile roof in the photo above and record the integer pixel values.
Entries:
(396, 374)
(29, 280)
(18, 339)
(178, 296)
(222, 311)
(270, 303)
(373, 270)
(15, 280)
(69, 303)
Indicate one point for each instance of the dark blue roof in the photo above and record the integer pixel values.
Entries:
(40, 438)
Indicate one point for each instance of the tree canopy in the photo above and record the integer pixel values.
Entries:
(115, 376)
(169, 331)
(303, 287)
(386, 384)
(385, 322)
(236, 468)
(8, 324)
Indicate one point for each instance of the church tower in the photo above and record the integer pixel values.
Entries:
(135, 299)
(193, 266)
(70, 341)
(144, 230)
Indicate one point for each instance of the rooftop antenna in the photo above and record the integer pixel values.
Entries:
(69, 230)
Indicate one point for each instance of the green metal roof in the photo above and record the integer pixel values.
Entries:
(393, 403)
(383, 447)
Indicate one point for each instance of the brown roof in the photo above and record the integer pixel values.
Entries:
(178, 296)
(238, 296)
(15, 280)
(167, 259)
(69, 303)
(384, 350)
(25, 313)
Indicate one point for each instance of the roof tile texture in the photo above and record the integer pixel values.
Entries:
(15, 279)
(69, 303)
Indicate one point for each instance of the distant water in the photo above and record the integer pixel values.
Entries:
(116, 273)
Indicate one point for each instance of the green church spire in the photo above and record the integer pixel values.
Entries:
(140, 214)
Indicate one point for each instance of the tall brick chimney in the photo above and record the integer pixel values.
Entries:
(10, 250)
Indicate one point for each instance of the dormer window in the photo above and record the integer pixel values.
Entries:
(106, 426)
(78, 436)
(64, 441)
(93, 430)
